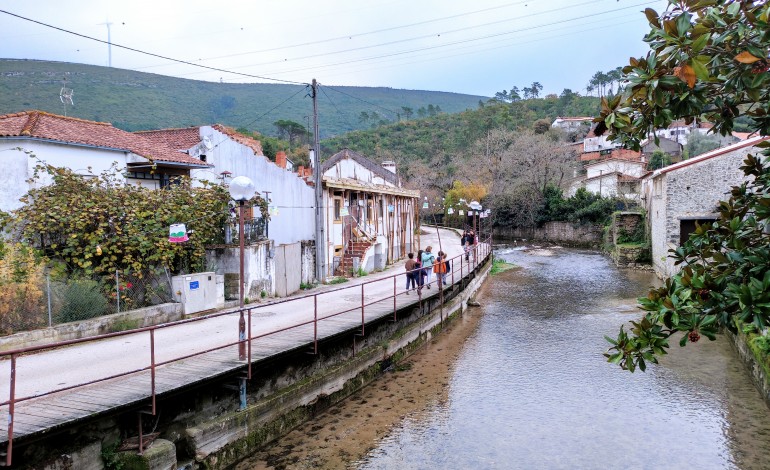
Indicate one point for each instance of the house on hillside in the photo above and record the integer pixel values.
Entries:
(229, 154)
(671, 147)
(571, 124)
(86, 147)
(679, 196)
(368, 214)
(612, 177)
(598, 143)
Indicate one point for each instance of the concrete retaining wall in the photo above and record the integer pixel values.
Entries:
(138, 318)
(758, 373)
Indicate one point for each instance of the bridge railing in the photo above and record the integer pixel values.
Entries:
(465, 263)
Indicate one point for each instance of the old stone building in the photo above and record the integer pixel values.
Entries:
(679, 196)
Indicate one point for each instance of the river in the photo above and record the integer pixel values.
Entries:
(521, 383)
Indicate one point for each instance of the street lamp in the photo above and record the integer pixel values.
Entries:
(241, 189)
(476, 208)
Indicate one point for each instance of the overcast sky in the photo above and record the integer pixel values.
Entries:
(475, 47)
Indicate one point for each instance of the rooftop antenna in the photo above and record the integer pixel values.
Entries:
(65, 95)
(109, 42)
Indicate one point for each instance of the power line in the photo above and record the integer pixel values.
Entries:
(357, 35)
(340, 113)
(465, 41)
(149, 53)
(362, 100)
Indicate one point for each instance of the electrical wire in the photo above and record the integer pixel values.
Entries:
(465, 41)
(357, 35)
(340, 113)
(395, 113)
(148, 53)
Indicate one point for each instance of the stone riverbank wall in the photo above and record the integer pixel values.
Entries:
(563, 233)
(206, 427)
(754, 360)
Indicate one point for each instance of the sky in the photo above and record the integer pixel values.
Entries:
(475, 47)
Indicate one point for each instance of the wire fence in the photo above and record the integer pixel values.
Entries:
(51, 299)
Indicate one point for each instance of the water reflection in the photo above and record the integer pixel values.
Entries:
(531, 389)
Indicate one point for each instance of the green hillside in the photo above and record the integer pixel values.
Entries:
(451, 135)
(134, 100)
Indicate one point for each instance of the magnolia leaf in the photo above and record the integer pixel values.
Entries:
(686, 73)
(746, 57)
(652, 17)
(700, 70)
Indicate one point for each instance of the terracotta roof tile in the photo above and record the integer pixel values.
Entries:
(178, 139)
(46, 126)
(254, 144)
(617, 153)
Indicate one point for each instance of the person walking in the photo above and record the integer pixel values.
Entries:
(427, 263)
(411, 267)
(419, 274)
(467, 242)
(440, 268)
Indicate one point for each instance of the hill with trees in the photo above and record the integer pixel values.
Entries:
(134, 100)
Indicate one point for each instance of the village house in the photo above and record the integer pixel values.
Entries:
(612, 177)
(572, 124)
(368, 215)
(666, 145)
(86, 147)
(230, 154)
(679, 196)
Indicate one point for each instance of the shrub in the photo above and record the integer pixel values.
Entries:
(22, 303)
(81, 300)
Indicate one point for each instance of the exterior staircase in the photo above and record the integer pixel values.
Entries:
(355, 249)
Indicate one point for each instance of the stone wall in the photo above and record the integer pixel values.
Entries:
(759, 374)
(624, 224)
(564, 233)
(689, 192)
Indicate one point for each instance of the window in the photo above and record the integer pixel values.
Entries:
(337, 209)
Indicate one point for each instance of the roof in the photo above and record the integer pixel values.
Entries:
(179, 139)
(578, 118)
(615, 153)
(610, 174)
(69, 130)
(387, 175)
(744, 135)
(712, 154)
(605, 160)
(188, 137)
(358, 185)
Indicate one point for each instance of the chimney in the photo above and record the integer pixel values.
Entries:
(280, 159)
(389, 165)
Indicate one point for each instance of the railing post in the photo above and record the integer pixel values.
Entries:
(249, 345)
(362, 309)
(315, 324)
(394, 297)
(152, 367)
(11, 409)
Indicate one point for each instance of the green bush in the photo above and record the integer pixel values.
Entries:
(82, 299)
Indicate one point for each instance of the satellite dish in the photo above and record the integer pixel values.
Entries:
(207, 143)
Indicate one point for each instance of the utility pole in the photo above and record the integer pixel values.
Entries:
(320, 238)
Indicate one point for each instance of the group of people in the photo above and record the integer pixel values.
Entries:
(420, 270)
(467, 241)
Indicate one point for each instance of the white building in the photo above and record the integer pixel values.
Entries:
(86, 147)
(368, 215)
(612, 177)
(680, 195)
(225, 151)
(569, 124)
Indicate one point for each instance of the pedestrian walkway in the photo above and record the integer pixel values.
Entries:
(48, 388)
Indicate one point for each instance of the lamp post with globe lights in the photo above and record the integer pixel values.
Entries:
(476, 207)
(241, 189)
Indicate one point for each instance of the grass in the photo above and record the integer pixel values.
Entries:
(499, 266)
(338, 280)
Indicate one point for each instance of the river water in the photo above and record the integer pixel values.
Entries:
(521, 383)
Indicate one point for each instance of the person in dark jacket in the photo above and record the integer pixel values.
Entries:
(411, 272)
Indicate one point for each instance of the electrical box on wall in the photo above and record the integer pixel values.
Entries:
(196, 292)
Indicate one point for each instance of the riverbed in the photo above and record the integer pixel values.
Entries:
(521, 383)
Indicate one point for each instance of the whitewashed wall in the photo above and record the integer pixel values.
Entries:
(18, 167)
(294, 199)
(631, 168)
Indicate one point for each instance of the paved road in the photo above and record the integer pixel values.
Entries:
(49, 370)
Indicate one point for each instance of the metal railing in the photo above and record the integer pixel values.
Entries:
(465, 263)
